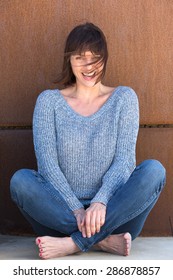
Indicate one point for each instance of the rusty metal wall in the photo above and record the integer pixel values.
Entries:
(140, 39)
(156, 143)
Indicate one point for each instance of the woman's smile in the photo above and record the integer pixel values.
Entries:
(89, 76)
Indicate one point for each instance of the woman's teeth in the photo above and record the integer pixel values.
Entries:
(89, 74)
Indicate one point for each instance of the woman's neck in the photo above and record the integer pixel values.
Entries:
(87, 94)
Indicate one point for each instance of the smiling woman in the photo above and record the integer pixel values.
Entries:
(87, 191)
(83, 38)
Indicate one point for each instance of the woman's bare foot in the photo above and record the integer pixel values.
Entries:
(54, 247)
(116, 244)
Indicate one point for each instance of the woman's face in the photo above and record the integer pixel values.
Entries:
(85, 72)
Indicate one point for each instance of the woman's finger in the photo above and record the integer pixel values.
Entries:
(98, 224)
(83, 231)
(88, 224)
(93, 222)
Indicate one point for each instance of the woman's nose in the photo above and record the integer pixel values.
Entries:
(89, 65)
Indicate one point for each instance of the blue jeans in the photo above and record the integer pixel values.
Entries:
(127, 210)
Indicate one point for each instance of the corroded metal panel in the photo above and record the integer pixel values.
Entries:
(156, 143)
(140, 39)
(16, 152)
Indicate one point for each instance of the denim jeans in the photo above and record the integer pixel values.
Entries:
(127, 210)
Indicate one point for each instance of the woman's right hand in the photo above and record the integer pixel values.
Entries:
(80, 218)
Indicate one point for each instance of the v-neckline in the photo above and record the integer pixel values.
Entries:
(92, 116)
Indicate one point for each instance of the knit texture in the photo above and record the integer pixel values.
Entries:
(86, 158)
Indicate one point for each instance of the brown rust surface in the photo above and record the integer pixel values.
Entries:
(16, 152)
(155, 143)
(140, 39)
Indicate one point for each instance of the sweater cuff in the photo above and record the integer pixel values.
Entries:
(74, 204)
(100, 199)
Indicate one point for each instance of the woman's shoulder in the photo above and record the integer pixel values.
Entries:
(125, 91)
(48, 96)
(127, 94)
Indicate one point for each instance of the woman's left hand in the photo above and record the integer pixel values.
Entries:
(94, 218)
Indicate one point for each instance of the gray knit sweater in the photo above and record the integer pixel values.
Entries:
(86, 158)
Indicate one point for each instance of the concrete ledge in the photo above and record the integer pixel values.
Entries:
(143, 248)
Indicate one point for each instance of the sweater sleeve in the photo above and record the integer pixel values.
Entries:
(44, 134)
(124, 160)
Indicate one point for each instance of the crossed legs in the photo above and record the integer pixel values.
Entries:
(127, 210)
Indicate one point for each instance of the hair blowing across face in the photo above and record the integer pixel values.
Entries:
(84, 37)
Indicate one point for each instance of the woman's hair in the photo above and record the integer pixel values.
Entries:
(84, 37)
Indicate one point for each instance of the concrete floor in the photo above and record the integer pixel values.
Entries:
(148, 248)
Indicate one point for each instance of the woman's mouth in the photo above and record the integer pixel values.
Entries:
(89, 75)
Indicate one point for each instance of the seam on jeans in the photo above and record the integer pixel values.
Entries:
(137, 212)
(30, 215)
(78, 242)
(45, 185)
(144, 206)
(27, 211)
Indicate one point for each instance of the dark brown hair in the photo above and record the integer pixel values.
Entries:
(84, 37)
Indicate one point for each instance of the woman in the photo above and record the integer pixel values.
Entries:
(87, 191)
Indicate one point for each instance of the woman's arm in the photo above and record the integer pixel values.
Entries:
(44, 133)
(125, 160)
